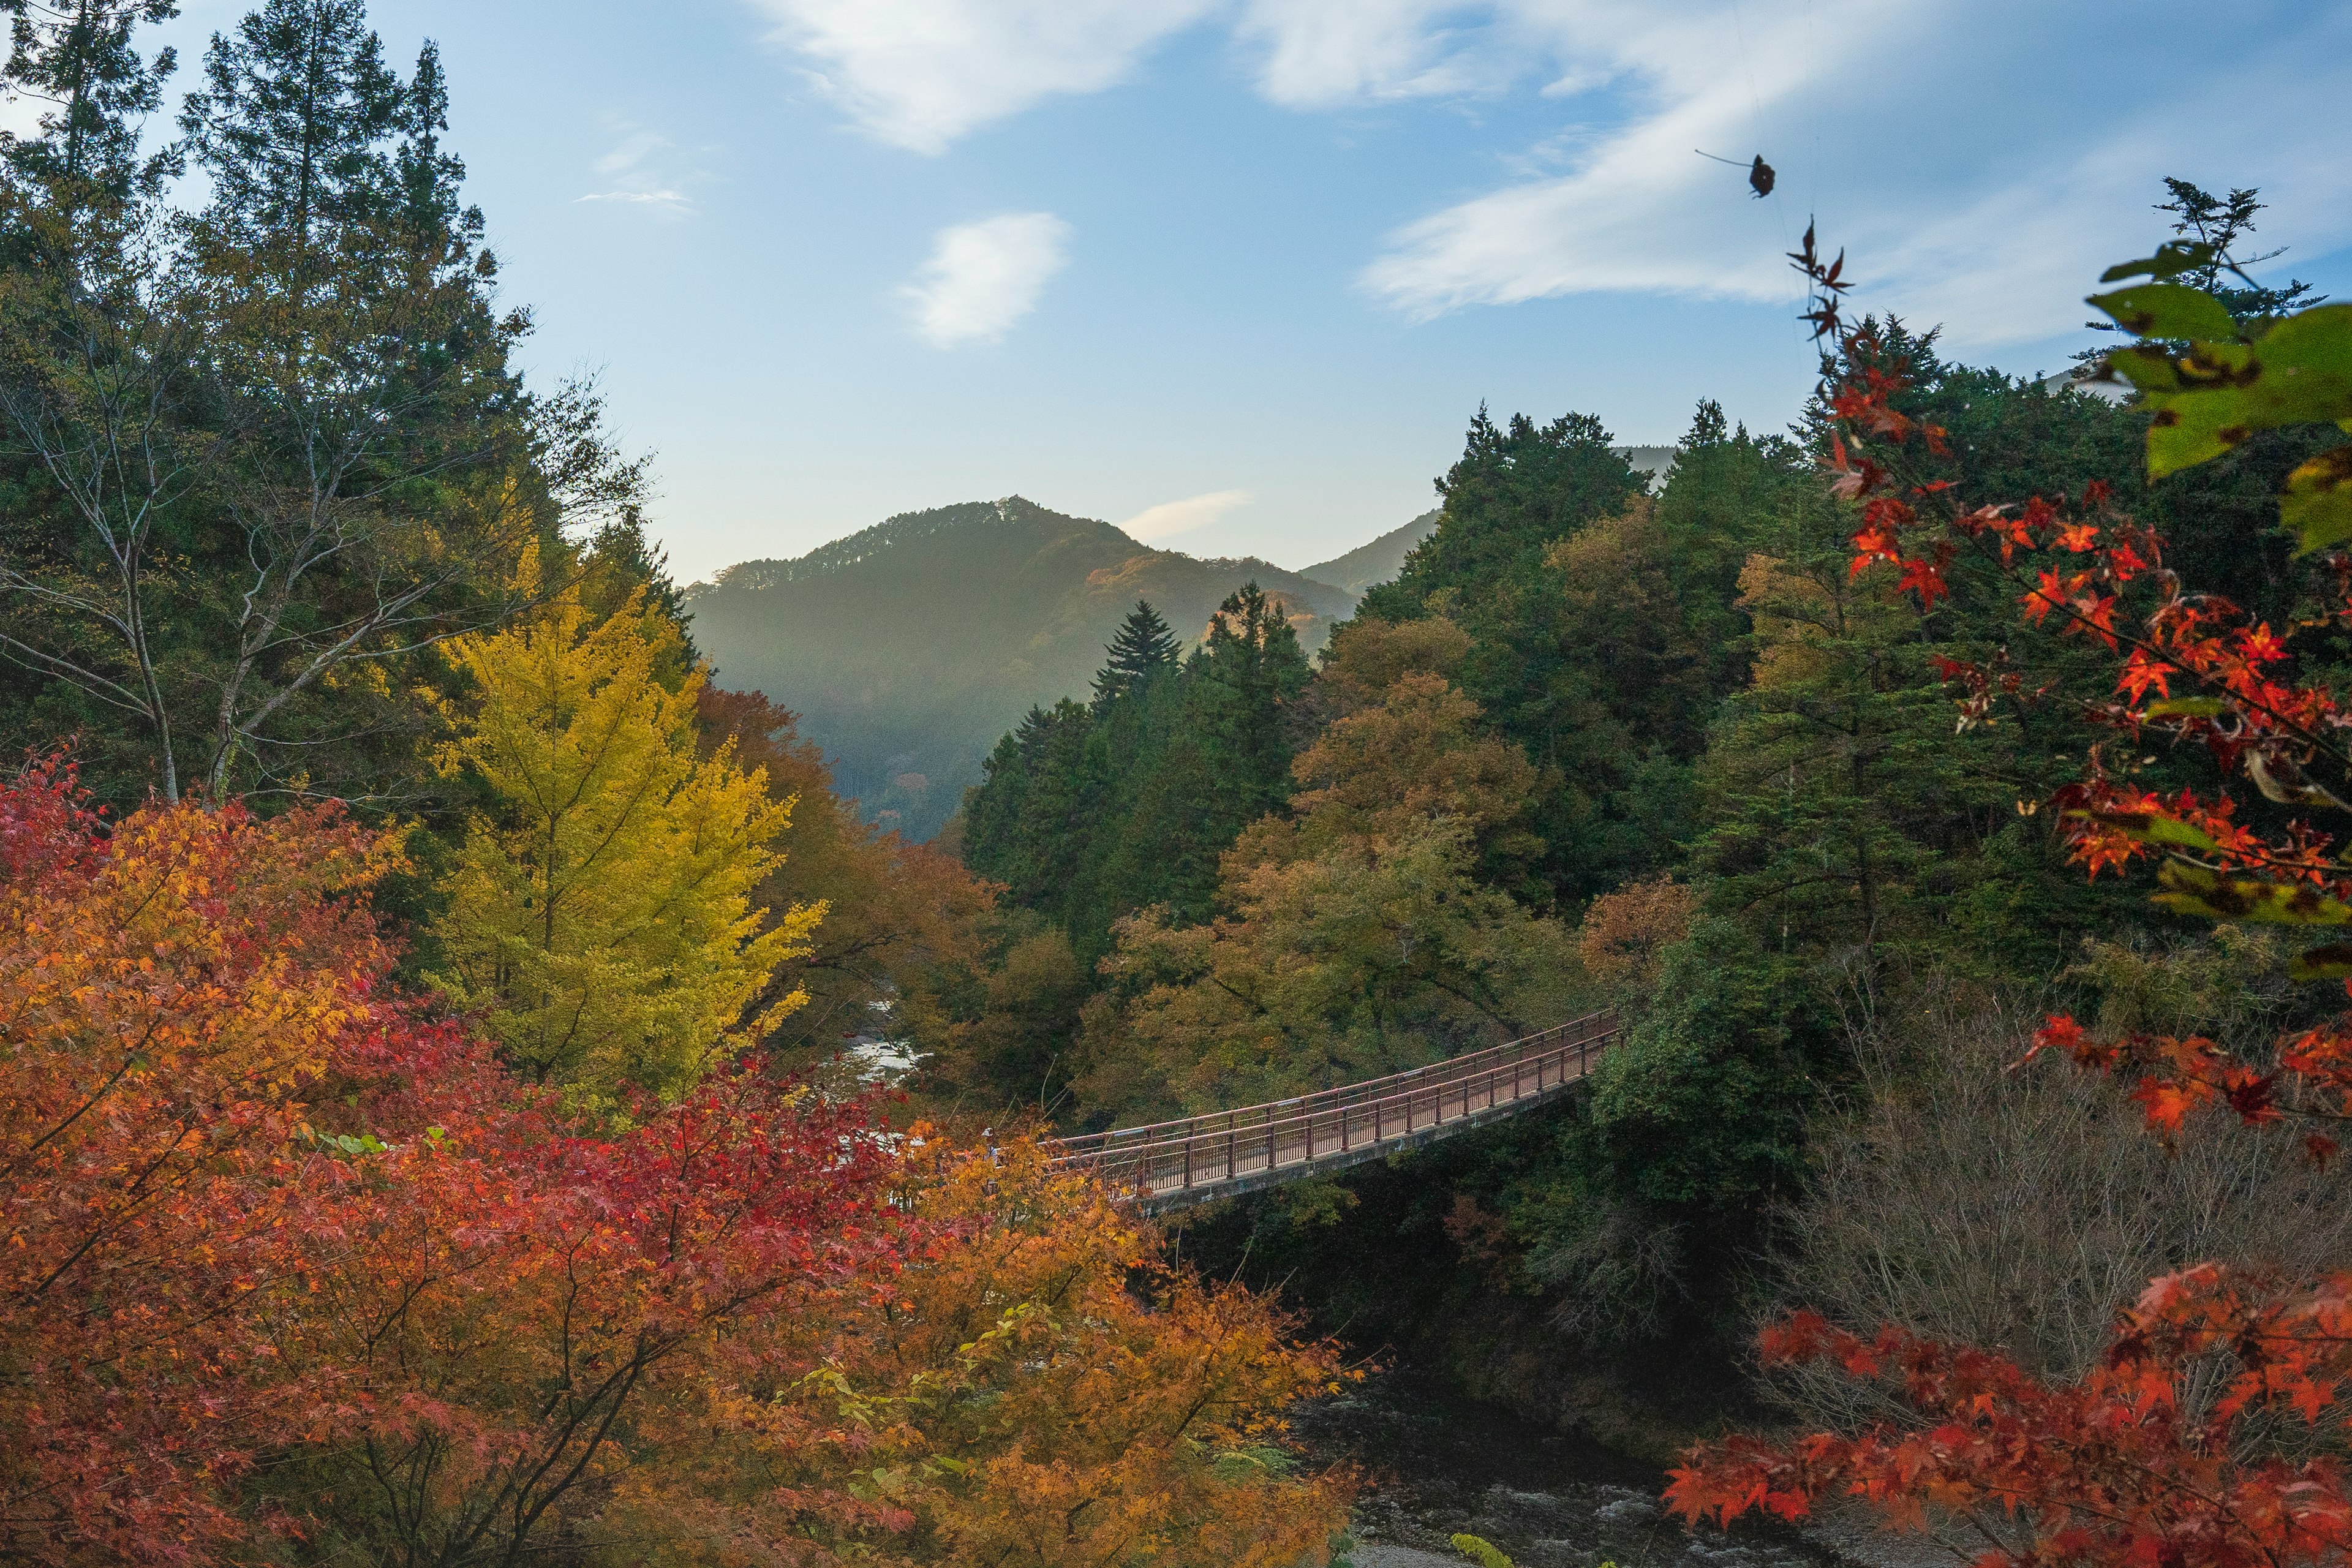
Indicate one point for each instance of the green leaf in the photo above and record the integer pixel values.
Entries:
(2215, 396)
(2193, 890)
(2333, 962)
(2317, 505)
(2174, 258)
(2147, 369)
(2185, 707)
(2169, 310)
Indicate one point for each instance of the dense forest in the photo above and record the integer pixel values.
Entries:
(405, 945)
(1684, 757)
(429, 1131)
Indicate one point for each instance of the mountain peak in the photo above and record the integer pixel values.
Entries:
(909, 647)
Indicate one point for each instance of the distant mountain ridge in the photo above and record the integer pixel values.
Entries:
(909, 647)
(1377, 561)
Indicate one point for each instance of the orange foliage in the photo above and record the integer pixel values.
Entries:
(289, 1270)
(1043, 1390)
(1624, 932)
(1367, 655)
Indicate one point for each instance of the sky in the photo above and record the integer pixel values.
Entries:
(1235, 274)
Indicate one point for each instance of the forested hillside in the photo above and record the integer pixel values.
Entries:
(909, 648)
(1376, 561)
(478, 1089)
(1689, 755)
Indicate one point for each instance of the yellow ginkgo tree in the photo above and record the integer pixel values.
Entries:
(600, 919)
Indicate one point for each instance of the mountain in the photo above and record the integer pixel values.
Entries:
(1383, 558)
(907, 648)
(1377, 561)
(1651, 460)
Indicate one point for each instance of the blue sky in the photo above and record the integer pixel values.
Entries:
(1242, 270)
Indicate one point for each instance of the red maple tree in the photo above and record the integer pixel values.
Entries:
(2164, 1454)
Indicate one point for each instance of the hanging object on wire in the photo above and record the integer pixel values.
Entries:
(1759, 172)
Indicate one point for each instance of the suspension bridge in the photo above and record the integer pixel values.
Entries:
(1172, 1165)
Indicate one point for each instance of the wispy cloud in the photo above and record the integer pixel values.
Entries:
(983, 276)
(1972, 156)
(1171, 518)
(1993, 234)
(920, 74)
(639, 172)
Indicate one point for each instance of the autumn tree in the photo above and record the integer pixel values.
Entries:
(168, 985)
(1353, 938)
(293, 1269)
(600, 914)
(2170, 1448)
(1049, 1393)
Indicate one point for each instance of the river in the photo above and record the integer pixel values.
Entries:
(1439, 1464)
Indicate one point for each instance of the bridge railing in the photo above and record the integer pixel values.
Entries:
(1222, 1146)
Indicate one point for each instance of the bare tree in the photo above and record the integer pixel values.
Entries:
(2018, 1208)
(97, 369)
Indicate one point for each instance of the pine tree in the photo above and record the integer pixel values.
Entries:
(426, 176)
(76, 57)
(294, 121)
(1252, 669)
(1143, 649)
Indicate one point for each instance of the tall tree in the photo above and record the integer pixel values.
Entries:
(1142, 650)
(600, 915)
(293, 121)
(78, 56)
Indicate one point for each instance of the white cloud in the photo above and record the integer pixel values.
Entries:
(636, 172)
(983, 276)
(1994, 234)
(1320, 53)
(920, 74)
(1171, 518)
(1978, 159)
(1639, 211)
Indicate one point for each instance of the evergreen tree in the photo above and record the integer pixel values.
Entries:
(293, 122)
(1142, 651)
(1252, 669)
(426, 176)
(1029, 821)
(76, 57)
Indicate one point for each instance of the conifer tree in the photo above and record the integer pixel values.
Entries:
(293, 122)
(1252, 669)
(1142, 649)
(426, 175)
(77, 57)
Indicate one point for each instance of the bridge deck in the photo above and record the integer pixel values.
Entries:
(1170, 1165)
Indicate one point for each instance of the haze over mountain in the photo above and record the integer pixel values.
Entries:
(907, 648)
(1377, 561)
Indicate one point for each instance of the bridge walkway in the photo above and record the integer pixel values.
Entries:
(1172, 1165)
